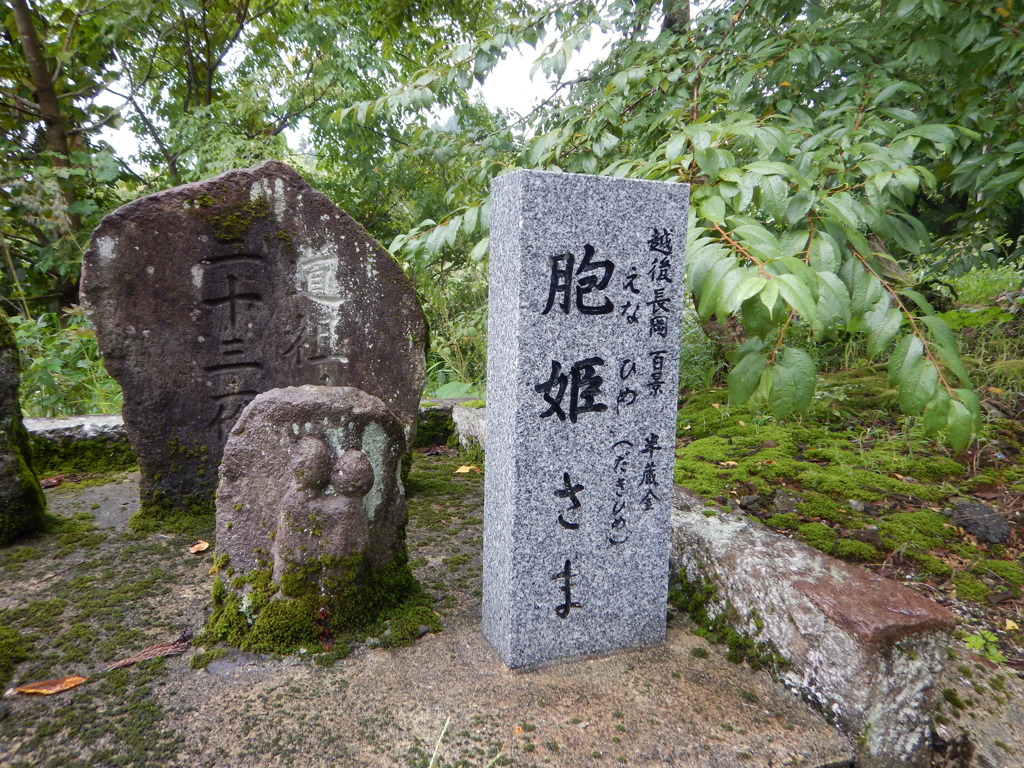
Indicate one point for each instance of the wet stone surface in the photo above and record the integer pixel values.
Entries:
(205, 295)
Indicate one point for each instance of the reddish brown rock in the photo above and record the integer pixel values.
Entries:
(867, 650)
(205, 295)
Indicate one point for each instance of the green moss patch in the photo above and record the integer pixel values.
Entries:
(969, 587)
(1011, 573)
(14, 649)
(318, 604)
(191, 515)
(435, 428)
(230, 221)
(77, 457)
(698, 600)
(824, 462)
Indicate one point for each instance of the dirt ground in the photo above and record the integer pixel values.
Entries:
(87, 596)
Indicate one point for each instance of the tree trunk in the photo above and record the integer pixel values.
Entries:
(677, 15)
(42, 83)
(56, 131)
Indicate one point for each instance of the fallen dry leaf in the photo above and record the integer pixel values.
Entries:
(171, 648)
(48, 687)
(199, 546)
(728, 464)
(467, 468)
(716, 405)
(52, 482)
(1011, 625)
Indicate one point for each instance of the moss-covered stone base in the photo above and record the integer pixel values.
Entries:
(698, 599)
(325, 604)
(192, 514)
(55, 457)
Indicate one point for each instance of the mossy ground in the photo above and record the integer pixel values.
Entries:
(72, 600)
(861, 483)
(75, 598)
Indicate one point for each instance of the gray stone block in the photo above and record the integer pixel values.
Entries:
(586, 278)
(75, 428)
(470, 426)
(869, 652)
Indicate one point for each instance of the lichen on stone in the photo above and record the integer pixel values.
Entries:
(231, 221)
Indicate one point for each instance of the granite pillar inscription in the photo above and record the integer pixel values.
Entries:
(586, 278)
(205, 295)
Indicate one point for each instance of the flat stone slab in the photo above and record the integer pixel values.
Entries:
(869, 651)
(111, 504)
(109, 426)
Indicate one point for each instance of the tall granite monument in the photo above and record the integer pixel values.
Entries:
(208, 294)
(586, 279)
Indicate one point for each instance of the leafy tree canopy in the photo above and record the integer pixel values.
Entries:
(834, 148)
(844, 155)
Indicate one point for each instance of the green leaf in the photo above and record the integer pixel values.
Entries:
(883, 323)
(711, 287)
(676, 147)
(909, 349)
(480, 249)
(769, 295)
(833, 300)
(793, 380)
(712, 209)
(799, 205)
(960, 425)
(744, 377)
(469, 220)
(920, 300)
(936, 413)
(752, 284)
(970, 399)
(796, 293)
(917, 383)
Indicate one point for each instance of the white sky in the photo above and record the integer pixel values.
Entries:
(510, 88)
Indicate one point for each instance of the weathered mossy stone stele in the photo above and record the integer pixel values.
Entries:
(22, 503)
(310, 510)
(205, 295)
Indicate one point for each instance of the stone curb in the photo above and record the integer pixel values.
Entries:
(77, 427)
(867, 651)
(111, 426)
(470, 426)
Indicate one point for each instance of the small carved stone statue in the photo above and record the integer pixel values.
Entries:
(310, 510)
(322, 513)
